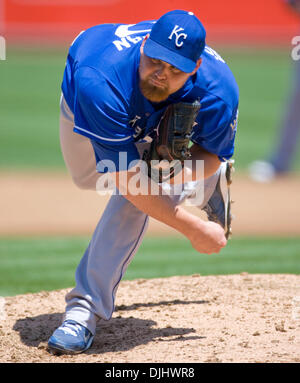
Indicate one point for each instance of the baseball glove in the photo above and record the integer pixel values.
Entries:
(169, 148)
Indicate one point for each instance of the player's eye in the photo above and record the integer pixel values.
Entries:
(155, 61)
(175, 70)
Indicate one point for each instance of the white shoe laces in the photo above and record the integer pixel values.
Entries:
(71, 328)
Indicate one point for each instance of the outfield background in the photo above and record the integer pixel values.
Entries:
(45, 223)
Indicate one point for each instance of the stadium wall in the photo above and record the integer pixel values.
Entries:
(267, 21)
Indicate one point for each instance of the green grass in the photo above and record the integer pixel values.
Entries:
(29, 108)
(30, 89)
(35, 264)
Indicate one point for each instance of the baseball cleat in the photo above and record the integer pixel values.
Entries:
(218, 208)
(70, 338)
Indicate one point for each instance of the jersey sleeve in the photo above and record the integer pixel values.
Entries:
(100, 109)
(216, 128)
(115, 158)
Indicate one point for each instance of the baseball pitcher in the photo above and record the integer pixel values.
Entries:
(142, 105)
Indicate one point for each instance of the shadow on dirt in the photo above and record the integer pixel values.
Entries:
(117, 334)
(154, 304)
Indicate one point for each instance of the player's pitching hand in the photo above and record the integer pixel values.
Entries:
(209, 238)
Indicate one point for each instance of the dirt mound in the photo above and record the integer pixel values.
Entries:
(234, 318)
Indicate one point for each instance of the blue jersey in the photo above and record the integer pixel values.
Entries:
(101, 87)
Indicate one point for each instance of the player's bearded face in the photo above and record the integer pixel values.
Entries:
(153, 92)
(158, 79)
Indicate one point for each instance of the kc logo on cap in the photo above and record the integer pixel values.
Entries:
(178, 35)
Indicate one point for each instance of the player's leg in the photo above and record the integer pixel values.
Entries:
(218, 206)
(115, 241)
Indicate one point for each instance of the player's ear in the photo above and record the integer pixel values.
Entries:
(143, 43)
(199, 61)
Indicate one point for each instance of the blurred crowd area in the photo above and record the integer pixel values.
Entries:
(268, 21)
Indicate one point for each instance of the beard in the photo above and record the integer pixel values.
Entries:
(152, 92)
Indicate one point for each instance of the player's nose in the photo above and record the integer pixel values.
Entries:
(161, 72)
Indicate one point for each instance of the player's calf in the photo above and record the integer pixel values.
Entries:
(218, 207)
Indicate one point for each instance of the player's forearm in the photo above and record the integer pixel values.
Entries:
(162, 208)
(154, 203)
(205, 237)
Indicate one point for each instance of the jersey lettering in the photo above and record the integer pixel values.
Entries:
(125, 35)
(120, 44)
(213, 53)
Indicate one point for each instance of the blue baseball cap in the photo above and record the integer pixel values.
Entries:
(178, 38)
